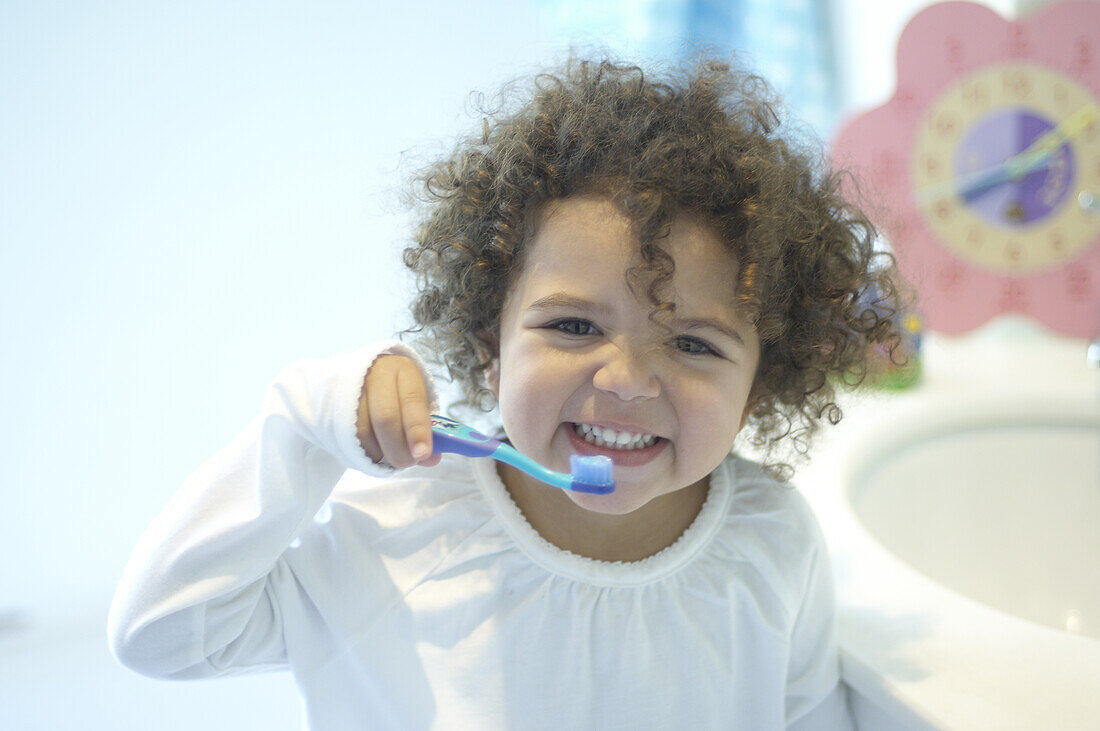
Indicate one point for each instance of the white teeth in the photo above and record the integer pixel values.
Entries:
(603, 437)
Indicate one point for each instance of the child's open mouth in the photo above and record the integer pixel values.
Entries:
(624, 448)
(603, 437)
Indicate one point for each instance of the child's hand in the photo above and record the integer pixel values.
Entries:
(394, 421)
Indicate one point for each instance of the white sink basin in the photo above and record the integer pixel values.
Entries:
(1006, 512)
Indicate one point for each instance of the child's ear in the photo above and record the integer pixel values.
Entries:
(492, 377)
(488, 351)
(750, 404)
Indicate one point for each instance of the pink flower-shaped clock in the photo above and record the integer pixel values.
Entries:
(981, 168)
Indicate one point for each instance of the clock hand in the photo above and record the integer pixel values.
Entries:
(976, 181)
(1010, 169)
(1035, 156)
(1046, 145)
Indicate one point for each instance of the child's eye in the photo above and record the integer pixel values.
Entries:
(693, 346)
(573, 326)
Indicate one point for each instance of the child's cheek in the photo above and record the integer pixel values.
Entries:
(527, 382)
(713, 417)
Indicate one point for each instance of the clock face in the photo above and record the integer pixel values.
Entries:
(1013, 220)
(975, 169)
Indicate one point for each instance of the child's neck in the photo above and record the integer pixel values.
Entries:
(631, 537)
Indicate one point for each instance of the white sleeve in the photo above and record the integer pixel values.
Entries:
(816, 699)
(194, 599)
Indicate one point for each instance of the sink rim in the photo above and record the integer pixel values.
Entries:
(940, 418)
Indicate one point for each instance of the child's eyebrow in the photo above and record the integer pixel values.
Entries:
(713, 323)
(561, 300)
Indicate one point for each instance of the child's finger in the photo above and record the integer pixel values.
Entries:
(363, 429)
(431, 460)
(384, 408)
(412, 394)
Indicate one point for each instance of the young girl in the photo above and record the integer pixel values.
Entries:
(624, 266)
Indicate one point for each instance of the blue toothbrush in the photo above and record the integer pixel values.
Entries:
(589, 474)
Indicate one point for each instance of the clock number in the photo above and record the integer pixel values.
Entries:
(954, 50)
(1017, 44)
(899, 229)
(886, 168)
(1056, 239)
(905, 227)
(1014, 253)
(1016, 84)
(907, 101)
(1013, 296)
(976, 95)
(945, 125)
(1084, 53)
(949, 277)
(974, 237)
(1061, 96)
(1089, 133)
(931, 166)
(1077, 283)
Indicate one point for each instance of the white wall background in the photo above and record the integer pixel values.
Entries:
(192, 195)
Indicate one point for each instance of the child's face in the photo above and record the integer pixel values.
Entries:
(577, 347)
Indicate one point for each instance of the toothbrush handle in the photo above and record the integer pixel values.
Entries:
(451, 436)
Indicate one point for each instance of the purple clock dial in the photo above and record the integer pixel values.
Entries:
(998, 197)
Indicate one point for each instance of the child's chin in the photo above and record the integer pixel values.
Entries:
(619, 502)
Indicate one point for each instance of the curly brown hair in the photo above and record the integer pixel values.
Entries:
(700, 140)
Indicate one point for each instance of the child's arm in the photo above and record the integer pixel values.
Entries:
(197, 596)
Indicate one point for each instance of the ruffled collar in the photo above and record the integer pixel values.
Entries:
(607, 573)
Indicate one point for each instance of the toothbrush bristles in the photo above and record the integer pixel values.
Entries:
(593, 471)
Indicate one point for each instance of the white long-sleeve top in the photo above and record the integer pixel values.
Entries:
(424, 599)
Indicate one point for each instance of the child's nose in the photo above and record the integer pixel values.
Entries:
(626, 374)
